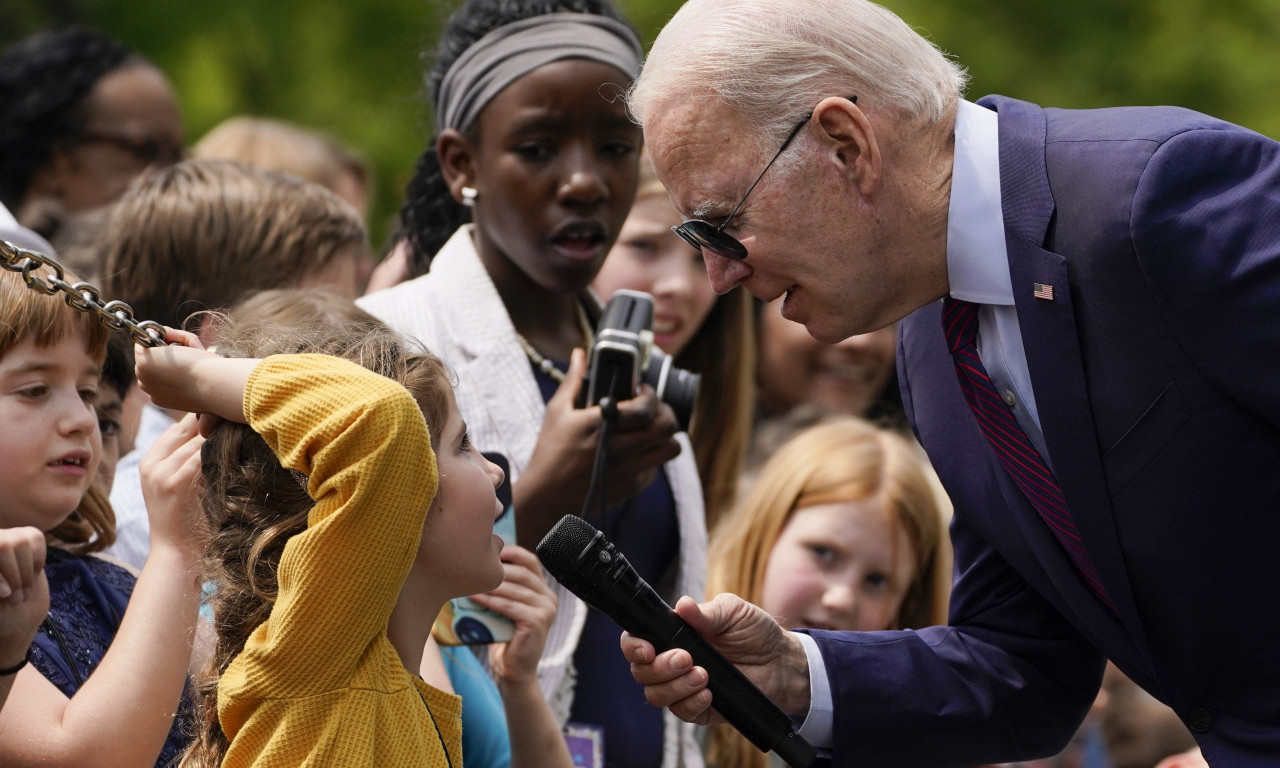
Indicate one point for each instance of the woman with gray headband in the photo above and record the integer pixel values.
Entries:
(516, 203)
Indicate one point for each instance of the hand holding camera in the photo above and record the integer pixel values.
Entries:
(623, 355)
(642, 436)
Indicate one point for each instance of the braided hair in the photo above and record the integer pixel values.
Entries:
(44, 81)
(429, 213)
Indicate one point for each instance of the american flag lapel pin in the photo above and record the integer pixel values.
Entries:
(1042, 291)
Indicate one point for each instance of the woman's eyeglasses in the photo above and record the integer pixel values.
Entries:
(147, 150)
(701, 234)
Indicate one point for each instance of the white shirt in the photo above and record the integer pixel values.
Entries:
(21, 236)
(978, 263)
(977, 271)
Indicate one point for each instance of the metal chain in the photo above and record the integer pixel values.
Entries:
(83, 296)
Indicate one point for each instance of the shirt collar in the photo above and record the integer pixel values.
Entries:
(977, 262)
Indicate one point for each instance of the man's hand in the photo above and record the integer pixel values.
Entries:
(751, 639)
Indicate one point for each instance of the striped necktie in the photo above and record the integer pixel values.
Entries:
(1016, 452)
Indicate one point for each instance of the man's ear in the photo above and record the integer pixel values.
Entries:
(845, 129)
(457, 161)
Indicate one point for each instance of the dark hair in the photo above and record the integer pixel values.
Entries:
(430, 214)
(44, 80)
(117, 369)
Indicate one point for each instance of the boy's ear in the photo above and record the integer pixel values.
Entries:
(457, 161)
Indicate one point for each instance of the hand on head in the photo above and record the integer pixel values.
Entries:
(185, 376)
(747, 636)
(170, 481)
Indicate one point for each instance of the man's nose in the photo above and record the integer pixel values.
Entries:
(724, 272)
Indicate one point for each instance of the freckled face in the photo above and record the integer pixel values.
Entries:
(49, 445)
(842, 566)
(650, 257)
(555, 172)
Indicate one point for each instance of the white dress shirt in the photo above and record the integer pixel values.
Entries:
(21, 236)
(977, 271)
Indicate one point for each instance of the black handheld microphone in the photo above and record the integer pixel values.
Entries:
(591, 567)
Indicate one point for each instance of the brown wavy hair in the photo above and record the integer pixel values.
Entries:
(838, 460)
(252, 505)
(26, 314)
(202, 234)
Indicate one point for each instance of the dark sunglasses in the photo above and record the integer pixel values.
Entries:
(145, 149)
(701, 234)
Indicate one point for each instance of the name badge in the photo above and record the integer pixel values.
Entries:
(586, 744)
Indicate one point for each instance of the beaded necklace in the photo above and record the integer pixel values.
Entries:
(541, 361)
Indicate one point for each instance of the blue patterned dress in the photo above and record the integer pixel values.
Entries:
(87, 598)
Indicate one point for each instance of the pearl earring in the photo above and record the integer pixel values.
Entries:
(469, 195)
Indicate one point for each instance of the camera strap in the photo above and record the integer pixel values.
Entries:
(595, 490)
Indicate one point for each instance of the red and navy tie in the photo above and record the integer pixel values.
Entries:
(1017, 454)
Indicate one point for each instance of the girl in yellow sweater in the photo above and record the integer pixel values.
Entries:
(345, 504)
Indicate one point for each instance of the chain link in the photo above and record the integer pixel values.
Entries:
(82, 296)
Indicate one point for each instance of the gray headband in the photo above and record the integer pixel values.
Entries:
(514, 50)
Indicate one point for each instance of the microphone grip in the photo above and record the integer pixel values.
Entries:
(588, 565)
(733, 695)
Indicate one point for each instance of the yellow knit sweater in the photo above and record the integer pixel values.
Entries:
(319, 683)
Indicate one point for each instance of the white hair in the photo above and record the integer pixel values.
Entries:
(773, 60)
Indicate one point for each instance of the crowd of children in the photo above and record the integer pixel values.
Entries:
(238, 559)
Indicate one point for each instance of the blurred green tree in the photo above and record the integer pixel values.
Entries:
(353, 68)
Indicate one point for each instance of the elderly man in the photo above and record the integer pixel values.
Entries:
(1090, 354)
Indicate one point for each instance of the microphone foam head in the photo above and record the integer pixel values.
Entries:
(560, 550)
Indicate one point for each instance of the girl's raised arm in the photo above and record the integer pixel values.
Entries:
(187, 377)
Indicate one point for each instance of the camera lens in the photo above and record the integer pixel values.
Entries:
(674, 386)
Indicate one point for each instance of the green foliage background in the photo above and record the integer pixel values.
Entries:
(353, 68)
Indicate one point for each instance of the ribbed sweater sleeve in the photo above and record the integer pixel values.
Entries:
(319, 682)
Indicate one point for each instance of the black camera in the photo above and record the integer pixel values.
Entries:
(623, 355)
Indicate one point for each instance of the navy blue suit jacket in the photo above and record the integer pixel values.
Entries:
(1156, 370)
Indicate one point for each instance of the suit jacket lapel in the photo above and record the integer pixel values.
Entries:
(1051, 341)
